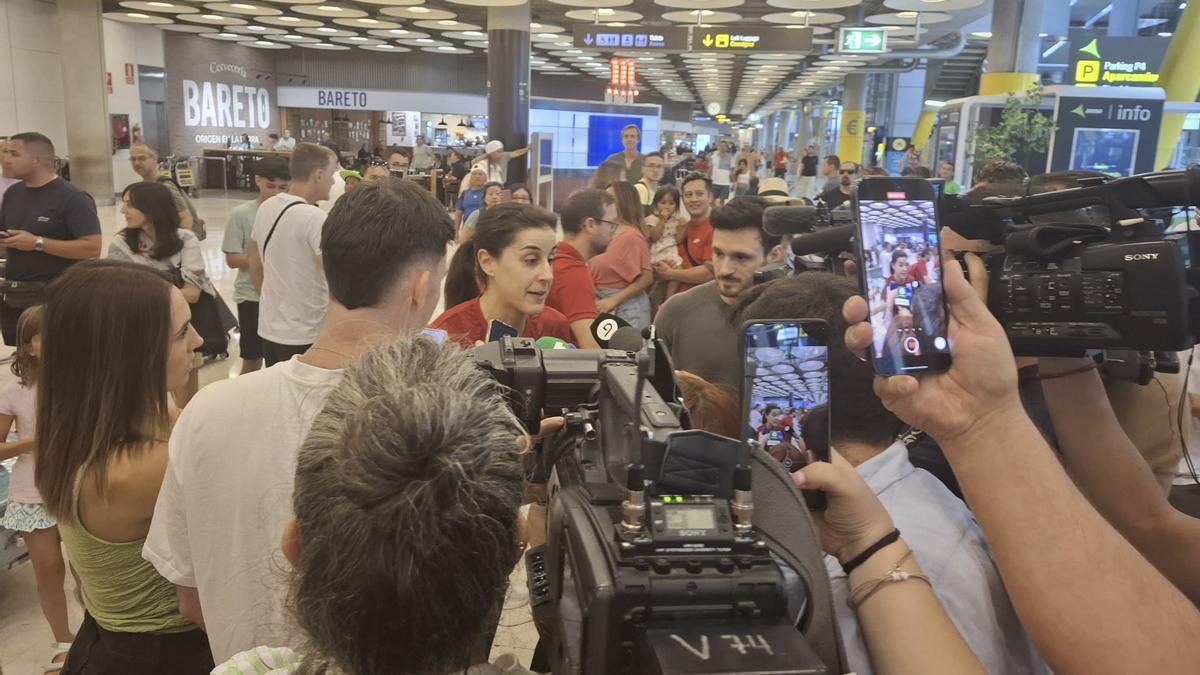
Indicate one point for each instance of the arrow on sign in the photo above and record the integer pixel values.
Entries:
(708, 40)
(872, 40)
(1078, 110)
(587, 38)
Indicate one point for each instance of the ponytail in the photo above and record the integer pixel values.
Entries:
(462, 280)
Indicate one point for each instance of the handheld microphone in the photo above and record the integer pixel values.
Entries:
(548, 342)
(605, 326)
(830, 240)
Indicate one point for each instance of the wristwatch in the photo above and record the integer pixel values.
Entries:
(39, 244)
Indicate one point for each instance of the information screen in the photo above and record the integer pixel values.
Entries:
(691, 518)
(1110, 151)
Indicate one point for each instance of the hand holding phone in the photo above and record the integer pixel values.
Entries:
(900, 270)
(785, 392)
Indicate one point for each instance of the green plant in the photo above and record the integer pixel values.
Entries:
(1022, 130)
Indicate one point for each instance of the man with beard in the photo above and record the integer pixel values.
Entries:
(589, 219)
(695, 325)
(847, 174)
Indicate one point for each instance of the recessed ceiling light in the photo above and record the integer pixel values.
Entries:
(425, 41)
(289, 19)
(447, 22)
(256, 28)
(907, 15)
(242, 6)
(369, 22)
(419, 10)
(160, 4)
(327, 29)
(473, 33)
(212, 17)
(447, 49)
(605, 11)
(358, 39)
(398, 31)
(290, 37)
(547, 36)
(263, 43)
(385, 46)
(982, 34)
(136, 15)
(574, 51)
(330, 8)
(228, 35)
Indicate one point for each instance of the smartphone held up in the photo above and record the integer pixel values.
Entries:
(901, 274)
(785, 392)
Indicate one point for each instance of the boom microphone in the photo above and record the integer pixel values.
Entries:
(829, 240)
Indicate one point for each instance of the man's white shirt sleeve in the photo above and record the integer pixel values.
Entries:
(167, 545)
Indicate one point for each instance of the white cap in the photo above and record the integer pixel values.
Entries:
(478, 168)
(493, 146)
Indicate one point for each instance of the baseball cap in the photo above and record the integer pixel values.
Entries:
(350, 173)
(493, 146)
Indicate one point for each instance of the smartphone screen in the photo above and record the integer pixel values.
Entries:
(498, 330)
(901, 269)
(785, 391)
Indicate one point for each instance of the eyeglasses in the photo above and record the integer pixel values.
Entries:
(610, 222)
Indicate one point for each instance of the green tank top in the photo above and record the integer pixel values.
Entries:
(121, 590)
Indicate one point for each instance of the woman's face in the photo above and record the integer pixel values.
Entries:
(493, 196)
(134, 219)
(522, 196)
(183, 341)
(774, 417)
(520, 276)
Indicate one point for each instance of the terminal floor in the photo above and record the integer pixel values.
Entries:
(24, 636)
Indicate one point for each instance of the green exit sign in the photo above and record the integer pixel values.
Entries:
(862, 40)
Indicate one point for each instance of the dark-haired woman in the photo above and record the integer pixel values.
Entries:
(117, 338)
(493, 195)
(623, 272)
(509, 258)
(152, 237)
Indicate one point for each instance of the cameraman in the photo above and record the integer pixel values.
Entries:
(1089, 600)
(938, 527)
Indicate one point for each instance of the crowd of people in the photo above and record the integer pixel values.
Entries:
(351, 502)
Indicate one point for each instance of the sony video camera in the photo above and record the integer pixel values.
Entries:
(1087, 267)
(651, 564)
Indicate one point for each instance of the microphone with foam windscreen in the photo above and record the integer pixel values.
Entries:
(830, 241)
(627, 339)
(547, 342)
(605, 326)
(783, 220)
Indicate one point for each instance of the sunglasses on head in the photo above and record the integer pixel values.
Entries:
(377, 162)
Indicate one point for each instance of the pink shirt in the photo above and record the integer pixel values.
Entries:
(628, 255)
(20, 402)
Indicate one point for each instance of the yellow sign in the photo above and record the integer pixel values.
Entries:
(730, 41)
(1087, 71)
(850, 140)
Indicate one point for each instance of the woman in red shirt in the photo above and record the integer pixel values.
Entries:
(509, 259)
(623, 272)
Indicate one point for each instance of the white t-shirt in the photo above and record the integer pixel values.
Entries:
(227, 495)
(294, 294)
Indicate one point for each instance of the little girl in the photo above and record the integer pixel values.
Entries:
(25, 513)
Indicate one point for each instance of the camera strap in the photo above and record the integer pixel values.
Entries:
(788, 529)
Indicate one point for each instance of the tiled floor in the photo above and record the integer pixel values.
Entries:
(24, 636)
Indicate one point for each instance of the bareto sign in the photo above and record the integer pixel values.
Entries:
(236, 106)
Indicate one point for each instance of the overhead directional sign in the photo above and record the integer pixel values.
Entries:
(862, 40)
(1117, 61)
(749, 39)
(656, 38)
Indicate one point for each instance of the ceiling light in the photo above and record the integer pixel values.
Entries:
(982, 34)
(419, 10)
(329, 8)
(425, 41)
(228, 35)
(327, 29)
(291, 37)
(213, 17)
(242, 6)
(573, 51)
(136, 15)
(1165, 34)
(473, 33)
(907, 15)
(256, 28)
(160, 4)
(398, 31)
(289, 19)
(615, 24)
(605, 11)
(369, 22)
(447, 22)
(358, 39)
(547, 36)
(263, 43)
(934, 104)
(386, 46)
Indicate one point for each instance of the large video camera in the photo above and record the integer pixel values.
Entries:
(1086, 267)
(651, 563)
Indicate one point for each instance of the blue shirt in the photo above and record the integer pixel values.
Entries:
(949, 546)
(469, 201)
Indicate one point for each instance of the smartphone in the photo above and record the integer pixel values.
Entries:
(436, 334)
(497, 330)
(785, 392)
(900, 269)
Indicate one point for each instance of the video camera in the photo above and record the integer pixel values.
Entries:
(651, 564)
(1086, 267)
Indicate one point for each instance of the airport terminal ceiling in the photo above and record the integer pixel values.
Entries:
(738, 83)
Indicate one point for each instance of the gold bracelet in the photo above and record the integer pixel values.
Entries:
(867, 588)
